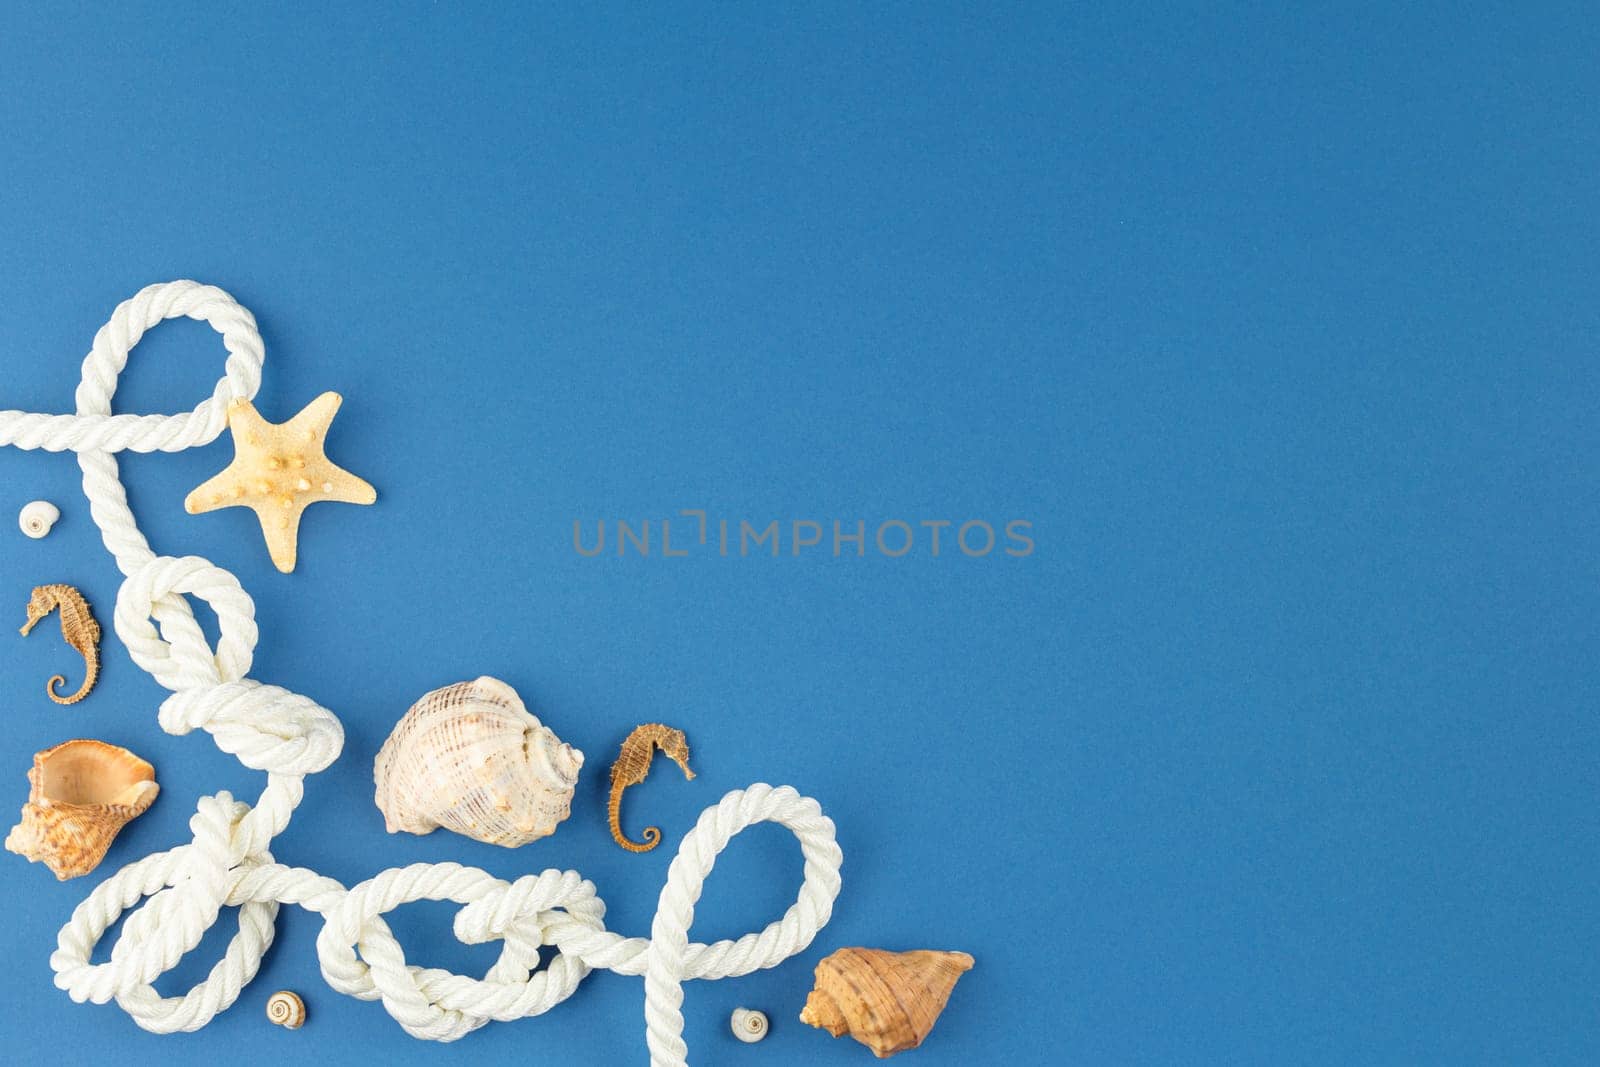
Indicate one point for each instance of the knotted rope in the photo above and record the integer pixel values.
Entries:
(290, 736)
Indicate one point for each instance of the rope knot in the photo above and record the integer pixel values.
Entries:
(215, 825)
(526, 907)
(266, 727)
(178, 656)
(435, 1004)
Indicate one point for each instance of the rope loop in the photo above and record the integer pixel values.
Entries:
(184, 890)
(95, 429)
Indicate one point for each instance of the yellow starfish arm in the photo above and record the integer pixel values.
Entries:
(339, 484)
(225, 490)
(282, 533)
(245, 422)
(311, 424)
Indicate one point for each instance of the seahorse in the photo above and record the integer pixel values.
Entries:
(78, 628)
(631, 767)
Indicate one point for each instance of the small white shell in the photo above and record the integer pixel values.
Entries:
(37, 518)
(748, 1025)
(286, 1009)
(471, 759)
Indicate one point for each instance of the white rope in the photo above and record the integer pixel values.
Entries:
(289, 736)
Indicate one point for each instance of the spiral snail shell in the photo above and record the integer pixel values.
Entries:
(748, 1025)
(37, 517)
(286, 1009)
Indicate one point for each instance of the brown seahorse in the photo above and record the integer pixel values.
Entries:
(633, 764)
(78, 628)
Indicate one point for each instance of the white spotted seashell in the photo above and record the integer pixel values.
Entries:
(470, 758)
(37, 517)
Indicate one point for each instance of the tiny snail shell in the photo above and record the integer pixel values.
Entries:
(37, 518)
(286, 1009)
(748, 1025)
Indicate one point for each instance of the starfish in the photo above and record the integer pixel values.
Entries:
(277, 470)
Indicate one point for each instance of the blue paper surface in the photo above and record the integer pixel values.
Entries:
(1277, 330)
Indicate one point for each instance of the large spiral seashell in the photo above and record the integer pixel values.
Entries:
(471, 759)
(37, 517)
(81, 794)
(286, 1009)
(888, 1001)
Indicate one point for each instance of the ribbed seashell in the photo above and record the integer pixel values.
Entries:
(470, 758)
(37, 517)
(888, 1001)
(286, 1009)
(81, 793)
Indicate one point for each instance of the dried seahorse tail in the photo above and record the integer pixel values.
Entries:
(652, 835)
(83, 690)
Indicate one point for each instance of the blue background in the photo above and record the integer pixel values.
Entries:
(1280, 330)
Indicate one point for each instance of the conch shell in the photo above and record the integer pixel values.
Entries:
(81, 794)
(888, 1001)
(471, 759)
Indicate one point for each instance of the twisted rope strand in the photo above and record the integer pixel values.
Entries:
(177, 895)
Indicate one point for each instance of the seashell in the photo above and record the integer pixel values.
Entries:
(81, 794)
(37, 517)
(286, 1009)
(470, 758)
(748, 1025)
(888, 1001)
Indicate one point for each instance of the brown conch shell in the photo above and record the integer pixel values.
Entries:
(81, 794)
(471, 759)
(888, 1001)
